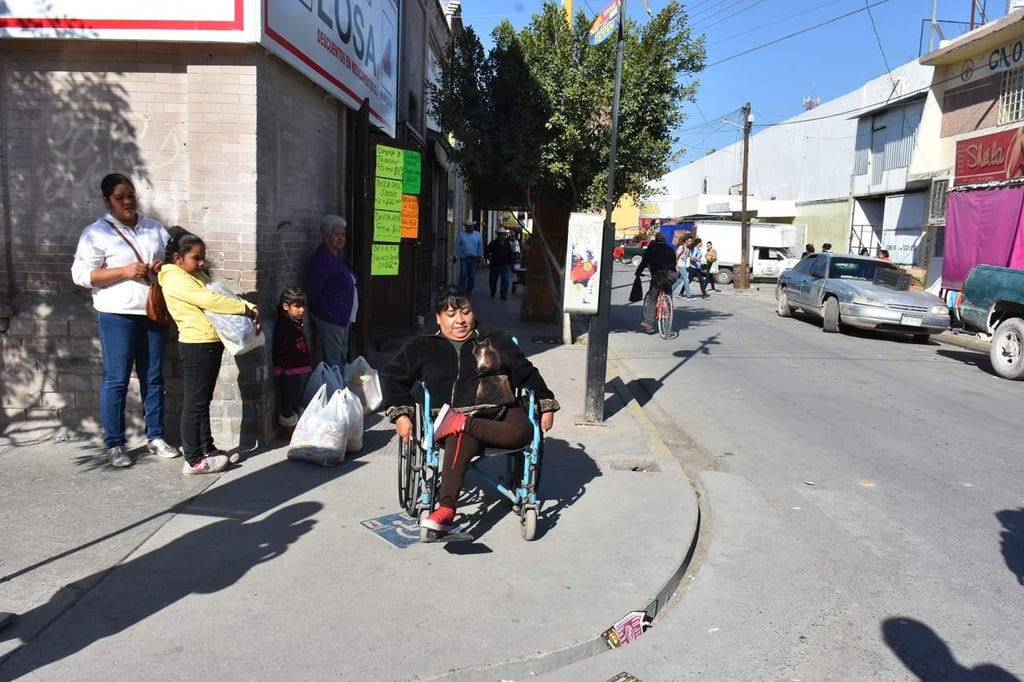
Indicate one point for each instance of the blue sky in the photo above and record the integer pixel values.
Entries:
(811, 48)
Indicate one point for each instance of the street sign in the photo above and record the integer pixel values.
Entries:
(605, 24)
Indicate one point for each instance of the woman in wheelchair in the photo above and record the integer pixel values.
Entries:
(478, 370)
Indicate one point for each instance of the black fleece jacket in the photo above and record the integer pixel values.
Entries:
(482, 376)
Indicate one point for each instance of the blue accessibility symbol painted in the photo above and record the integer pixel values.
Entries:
(398, 529)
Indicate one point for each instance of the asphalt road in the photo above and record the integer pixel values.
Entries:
(890, 475)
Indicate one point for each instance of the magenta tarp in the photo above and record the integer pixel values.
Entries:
(982, 226)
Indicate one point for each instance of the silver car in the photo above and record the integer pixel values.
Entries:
(860, 292)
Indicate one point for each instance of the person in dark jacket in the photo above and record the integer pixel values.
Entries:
(291, 355)
(500, 256)
(475, 369)
(660, 259)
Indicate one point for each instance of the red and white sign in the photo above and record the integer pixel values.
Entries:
(233, 21)
(347, 47)
(990, 158)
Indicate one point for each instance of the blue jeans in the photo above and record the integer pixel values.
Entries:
(505, 273)
(684, 280)
(467, 273)
(333, 342)
(127, 341)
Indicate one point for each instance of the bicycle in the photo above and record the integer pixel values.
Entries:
(662, 312)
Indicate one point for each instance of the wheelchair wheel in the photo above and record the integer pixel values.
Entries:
(408, 476)
(528, 524)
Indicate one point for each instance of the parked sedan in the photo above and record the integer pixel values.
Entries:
(859, 292)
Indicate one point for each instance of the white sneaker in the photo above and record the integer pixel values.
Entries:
(210, 464)
(118, 457)
(161, 448)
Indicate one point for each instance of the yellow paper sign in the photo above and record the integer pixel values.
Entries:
(388, 195)
(384, 259)
(387, 226)
(410, 217)
(390, 162)
(411, 173)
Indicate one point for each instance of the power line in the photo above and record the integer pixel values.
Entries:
(705, 27)
(793, 35)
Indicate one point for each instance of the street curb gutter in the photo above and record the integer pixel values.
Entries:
(554, 660)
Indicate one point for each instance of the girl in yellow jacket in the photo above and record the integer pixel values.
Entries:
(184, 286)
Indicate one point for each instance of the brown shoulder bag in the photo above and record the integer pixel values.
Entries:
(156, 306)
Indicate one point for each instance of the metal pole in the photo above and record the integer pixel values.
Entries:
(741, 280)
(597, 335)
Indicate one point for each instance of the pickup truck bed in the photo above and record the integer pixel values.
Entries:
(993, 302)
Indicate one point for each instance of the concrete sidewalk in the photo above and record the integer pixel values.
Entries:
(266, 571)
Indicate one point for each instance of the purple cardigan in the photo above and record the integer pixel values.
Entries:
(330, 288)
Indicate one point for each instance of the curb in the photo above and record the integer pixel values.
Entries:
(556, 660)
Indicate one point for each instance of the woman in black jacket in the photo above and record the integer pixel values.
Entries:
(475, 370)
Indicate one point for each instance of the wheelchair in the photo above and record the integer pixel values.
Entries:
(419, 469)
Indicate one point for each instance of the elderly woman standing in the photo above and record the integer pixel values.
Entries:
(331, 291)
(106, 262)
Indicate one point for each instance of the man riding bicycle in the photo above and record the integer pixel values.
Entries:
(660, 259)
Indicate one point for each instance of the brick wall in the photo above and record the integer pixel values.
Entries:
(224, 140)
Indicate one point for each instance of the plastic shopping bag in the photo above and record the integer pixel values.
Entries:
(237, 332)
(320, 437)
(354, 421)
(323, 375)
(364, 382)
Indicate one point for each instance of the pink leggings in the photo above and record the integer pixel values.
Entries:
(514, 431)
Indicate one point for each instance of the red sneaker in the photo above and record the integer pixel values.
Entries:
(442, 519)
(448, 422)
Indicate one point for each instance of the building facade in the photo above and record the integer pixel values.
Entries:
(245, 123)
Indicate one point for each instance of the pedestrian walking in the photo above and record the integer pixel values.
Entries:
(500, 256)
(693, 266)
(708, 266)
(469, 252)
(118, 257)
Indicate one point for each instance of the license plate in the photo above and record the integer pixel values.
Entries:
(909, 321)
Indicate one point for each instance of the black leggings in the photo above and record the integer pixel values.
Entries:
(514, 431)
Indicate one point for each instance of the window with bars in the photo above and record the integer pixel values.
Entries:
(937, 201)
(1011, 96)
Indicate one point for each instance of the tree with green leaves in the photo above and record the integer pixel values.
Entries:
(532, 116)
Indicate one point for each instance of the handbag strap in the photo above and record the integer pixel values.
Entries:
(131, 246)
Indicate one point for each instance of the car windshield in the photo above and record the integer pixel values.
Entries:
(849, 268)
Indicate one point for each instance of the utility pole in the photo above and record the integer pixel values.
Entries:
(597, 334)
(741, 279)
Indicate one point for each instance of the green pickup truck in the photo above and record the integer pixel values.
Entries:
(992, 301)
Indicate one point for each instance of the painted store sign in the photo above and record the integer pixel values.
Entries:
(181, 21)
(347, 47)
(990, 158)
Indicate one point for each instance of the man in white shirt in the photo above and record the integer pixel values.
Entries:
(469, 251)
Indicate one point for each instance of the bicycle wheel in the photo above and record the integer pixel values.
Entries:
(665, 315)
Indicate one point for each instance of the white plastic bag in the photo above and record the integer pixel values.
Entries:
(354, 422)
(321, 434)
(323, 375)
(237, 332)
(364, 382)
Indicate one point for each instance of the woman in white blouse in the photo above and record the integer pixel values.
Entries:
(106, 262)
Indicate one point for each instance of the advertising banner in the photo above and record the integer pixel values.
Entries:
(232, 21)
(581, 263)
(347, 47)
(990, 158)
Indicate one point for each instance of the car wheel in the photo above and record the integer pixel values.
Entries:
(784, 310)
(1007, 350)
(830, 315)
(723, 276)
(635, 260)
